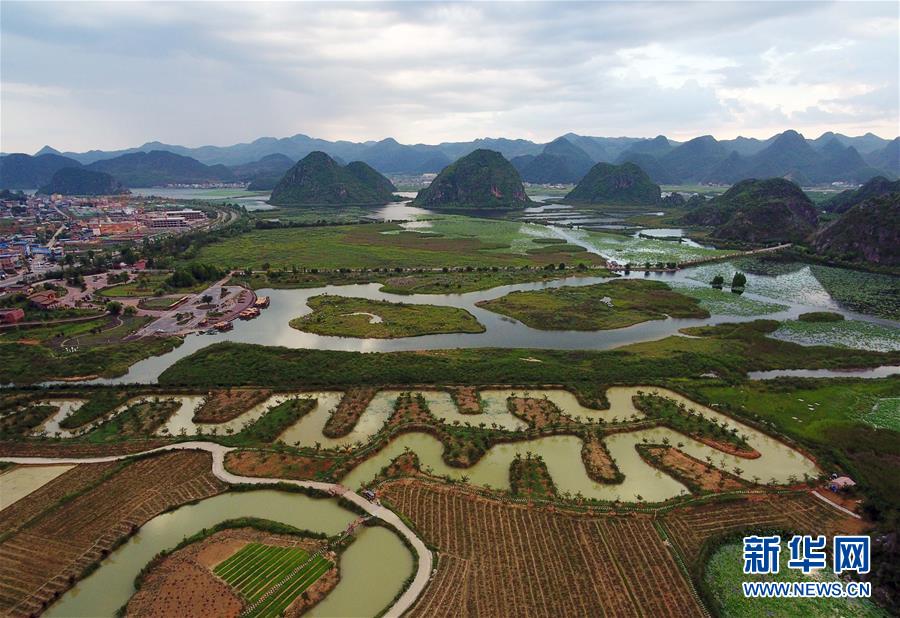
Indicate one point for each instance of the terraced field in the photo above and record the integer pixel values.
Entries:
(269, 578)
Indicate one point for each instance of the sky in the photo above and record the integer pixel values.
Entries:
(107, 75)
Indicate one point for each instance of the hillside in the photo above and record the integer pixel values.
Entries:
(22, 171)
(887, 158)
(482, 179)
(758, 211)
(82, 181)
(561, 162)
(868, 231)
(390, 157)
(615, 184)
(159, 168)
(845, 200)
(318, 179)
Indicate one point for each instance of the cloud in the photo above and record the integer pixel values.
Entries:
(85, 75)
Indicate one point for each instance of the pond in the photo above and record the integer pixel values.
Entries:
(373, 569)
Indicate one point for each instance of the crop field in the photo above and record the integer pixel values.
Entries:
(498, 559)
(271, 577)
(724, 302)
(42, 558)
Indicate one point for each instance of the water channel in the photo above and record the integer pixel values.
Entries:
(373, 569)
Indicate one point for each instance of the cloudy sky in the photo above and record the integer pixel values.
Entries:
(80, 75)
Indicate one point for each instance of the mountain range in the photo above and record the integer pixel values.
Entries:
(832, 157)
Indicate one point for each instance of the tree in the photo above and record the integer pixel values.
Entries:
(206, 298)
(130, 310)
(114, 307)
(718, 281)
(738, 282)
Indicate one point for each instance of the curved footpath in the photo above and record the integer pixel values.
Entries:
(218, 452)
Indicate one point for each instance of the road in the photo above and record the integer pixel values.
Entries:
(218, 452)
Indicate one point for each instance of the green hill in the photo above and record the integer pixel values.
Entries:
(81, 181)
(22, 171)
(845, 200)
(560, 162)
(159, 167)
(482, 179)
(758, 211)
(868, 231)
(615, 184)
(319, 179)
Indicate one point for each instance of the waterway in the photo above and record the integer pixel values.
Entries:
(373, 569)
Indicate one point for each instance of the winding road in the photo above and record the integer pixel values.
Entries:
(218, 452)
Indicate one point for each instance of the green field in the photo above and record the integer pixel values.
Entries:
(842, 333)
(256, 568)
(458, 242)
(151, 284)
(724, 574)
(638, 251)
(724, 302)
(341, 316)
(615, 304)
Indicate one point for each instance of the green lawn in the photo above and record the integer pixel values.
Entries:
(150, 284)
(603, 306)
(724, 575)
(342, 316)
(256, 568)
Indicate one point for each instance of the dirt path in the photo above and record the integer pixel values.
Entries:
(218, 452)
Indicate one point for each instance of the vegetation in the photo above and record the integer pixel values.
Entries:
(482, 180)
(730, 350)
(159, 168)
(318, 179)
(80, 181)
(342, 316)
(758, 211)
(602, 306)
(724, 575)
(615, 184)
(868, 232)
(256, 569)
(820, 316)
(840, 333)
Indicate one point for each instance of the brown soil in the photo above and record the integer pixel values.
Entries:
(598, 463)
(467, 400)
(727, 447)
(224, 405)
(344, 418)
(183, 584)
(46, 556)
(538, 413)
(410, 409)
(709, 478)
(64, 449)
(278, 465)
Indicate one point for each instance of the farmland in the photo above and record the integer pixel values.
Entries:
(256, 567)
(341, 316)
(71, 533)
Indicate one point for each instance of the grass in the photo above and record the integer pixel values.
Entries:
(603, 306)
(256, 568)
(463, 242)
(885, 414)
(148, 284)
(724, 574)
(728, 349)
(637, 251)
(342, 316)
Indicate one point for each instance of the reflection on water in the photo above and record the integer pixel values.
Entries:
(377, 552)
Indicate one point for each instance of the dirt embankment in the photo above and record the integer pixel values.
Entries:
(276, 465)
(352, 405)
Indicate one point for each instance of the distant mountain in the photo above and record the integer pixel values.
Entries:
(615, 184)
(22, 171)
(390, 157)
(482, 179)
(758, 211)
(264, 174)
(656, 147)
(560, 162)
(159, 167)
(869, 231)
(692, 161)
(650, 164)
(888, 158)
(317, 179)
(82, 181)
(845, 200)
